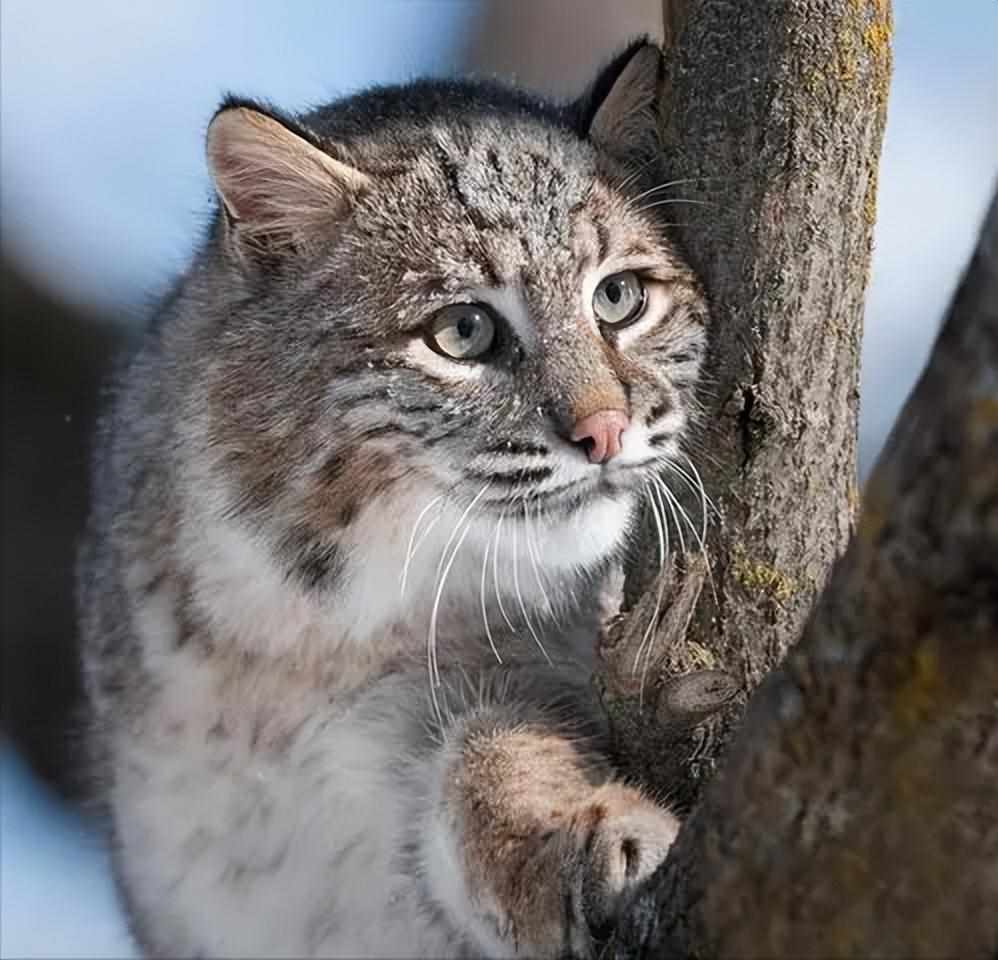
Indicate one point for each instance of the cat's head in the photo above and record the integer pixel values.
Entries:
(447, 290)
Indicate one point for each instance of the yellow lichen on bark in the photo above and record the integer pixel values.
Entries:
(845, 48)
(863, 45)
(870, 200)
(760, 577)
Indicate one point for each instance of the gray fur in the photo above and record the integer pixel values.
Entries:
(278, 763)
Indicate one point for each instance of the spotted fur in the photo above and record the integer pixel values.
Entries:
(339, 592)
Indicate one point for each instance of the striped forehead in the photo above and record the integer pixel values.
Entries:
(527, 210)
(526, 178)
(526, 219)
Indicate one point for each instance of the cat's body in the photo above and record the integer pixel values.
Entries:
(328, 507)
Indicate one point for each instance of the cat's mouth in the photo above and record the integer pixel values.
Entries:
(573, 495)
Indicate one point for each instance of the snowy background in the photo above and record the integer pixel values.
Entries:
(103, 106)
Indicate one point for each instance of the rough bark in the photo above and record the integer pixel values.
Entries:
(857, 812)
(772, 125)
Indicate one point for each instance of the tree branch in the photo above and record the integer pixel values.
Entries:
(55, 355)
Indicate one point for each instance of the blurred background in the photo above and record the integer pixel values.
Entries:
(103, 107)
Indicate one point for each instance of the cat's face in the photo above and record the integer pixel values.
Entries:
(482, 310)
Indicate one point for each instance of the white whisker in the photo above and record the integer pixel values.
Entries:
(701, 541)
(431, 639)
(453, 537)
(699, 492)
(634, 174)
(677, 511)
(670, 200)
(693, 488)
(703, 490)
(411, 549)
(485, 616)
(495, 574)
(646, 639)
(669, 500)
(519, 597)
(535, 561)
(664, 186)
(695, 483)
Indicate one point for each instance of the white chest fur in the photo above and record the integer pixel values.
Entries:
(419, 571)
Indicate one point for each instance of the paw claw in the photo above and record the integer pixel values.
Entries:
(626, 838)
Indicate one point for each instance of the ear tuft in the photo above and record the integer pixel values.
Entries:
(620, 111)
(281, 190)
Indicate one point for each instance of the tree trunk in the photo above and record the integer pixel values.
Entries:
(774, 114)
(857, 812)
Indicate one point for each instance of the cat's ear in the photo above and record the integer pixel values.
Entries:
(281, 190)
(620, 111)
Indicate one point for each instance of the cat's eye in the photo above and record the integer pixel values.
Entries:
(619, 299)
(462, 331)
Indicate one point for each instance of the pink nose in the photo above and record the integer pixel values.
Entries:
(600, 432)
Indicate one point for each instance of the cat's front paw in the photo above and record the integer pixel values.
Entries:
(619, 838)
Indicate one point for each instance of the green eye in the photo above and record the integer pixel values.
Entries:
(462, 331)
(619, 299)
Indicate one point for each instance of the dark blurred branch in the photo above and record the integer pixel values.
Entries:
(54, 359)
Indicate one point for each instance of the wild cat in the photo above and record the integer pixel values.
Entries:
(355, 498)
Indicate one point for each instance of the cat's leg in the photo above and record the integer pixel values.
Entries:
(530, 844)
(266, 820)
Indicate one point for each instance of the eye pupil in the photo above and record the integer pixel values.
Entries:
(462, 331)
(619, 299)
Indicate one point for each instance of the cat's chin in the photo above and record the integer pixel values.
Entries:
(591, 534)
